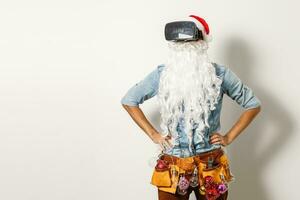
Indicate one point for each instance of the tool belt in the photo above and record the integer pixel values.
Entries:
(209, 170)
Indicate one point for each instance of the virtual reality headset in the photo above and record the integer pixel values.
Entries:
(182, 31)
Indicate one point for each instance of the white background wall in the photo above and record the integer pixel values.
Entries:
(64, 66)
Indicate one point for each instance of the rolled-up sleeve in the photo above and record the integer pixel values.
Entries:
(238, 91)
(144, 89)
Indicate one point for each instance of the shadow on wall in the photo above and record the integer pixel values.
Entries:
(250, 165)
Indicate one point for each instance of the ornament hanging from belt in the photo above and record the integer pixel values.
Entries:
(208, 171)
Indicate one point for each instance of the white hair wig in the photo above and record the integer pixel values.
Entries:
(188, 89)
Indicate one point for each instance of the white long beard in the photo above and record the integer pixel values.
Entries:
(188, 89)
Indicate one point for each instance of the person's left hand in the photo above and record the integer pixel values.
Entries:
(217, 138)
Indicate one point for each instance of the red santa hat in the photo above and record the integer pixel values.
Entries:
(202, 26)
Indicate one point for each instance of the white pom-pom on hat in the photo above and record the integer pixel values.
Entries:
(202, 26)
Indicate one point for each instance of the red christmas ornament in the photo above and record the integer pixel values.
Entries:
(208, 179)
(212, 193)
(211, 187)
(161, 165)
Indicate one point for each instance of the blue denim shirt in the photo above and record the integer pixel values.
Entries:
(231, 86)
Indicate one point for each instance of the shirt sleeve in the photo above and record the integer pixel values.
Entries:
(238, 91)
(144, 89)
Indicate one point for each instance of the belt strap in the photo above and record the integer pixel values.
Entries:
(188, 162)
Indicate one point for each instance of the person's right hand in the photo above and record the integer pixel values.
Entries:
(164, 142)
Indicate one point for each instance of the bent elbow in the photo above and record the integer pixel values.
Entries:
(255, 110)
(258, 108)
(127, 106)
